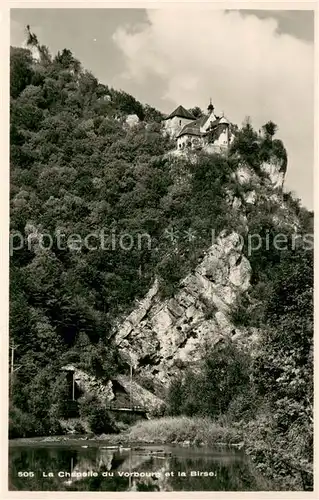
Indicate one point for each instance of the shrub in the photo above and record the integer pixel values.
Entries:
(223, 375)
(23, 424)
(240, 313)
(196, 430)
(96, 415)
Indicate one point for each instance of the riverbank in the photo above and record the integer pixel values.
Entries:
(167, 430)
(186, 430)
(284, 473)
(68, 440)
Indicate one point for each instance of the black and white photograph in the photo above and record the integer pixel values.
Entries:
(161, 245)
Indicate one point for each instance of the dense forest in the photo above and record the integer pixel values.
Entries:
(78, 166)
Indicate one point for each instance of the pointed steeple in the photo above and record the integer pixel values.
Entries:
(210, 107)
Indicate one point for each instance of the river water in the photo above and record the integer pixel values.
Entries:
(97, 468)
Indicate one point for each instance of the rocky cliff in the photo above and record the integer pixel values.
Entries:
(106, 392)
(162, 336)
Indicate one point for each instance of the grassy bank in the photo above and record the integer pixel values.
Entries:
(68, 441)
(270, 458)
(165, 430)
(193, 431)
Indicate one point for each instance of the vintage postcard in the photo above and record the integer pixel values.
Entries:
(161, 249)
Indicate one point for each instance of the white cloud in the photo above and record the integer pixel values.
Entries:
(242, 63)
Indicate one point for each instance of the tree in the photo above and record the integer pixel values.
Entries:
(196, 111)
(67, 61)
(270, 129)
(246, 144)
(152, 114)
(21, 71)
(70, 153)
(224, 374)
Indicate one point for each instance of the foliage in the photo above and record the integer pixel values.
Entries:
(97, 417)
(22, 424)
(240, 314)
(255, 149)
(224, 374)
(269, 129)
(277, 417)
(179, 429)
(196, 111)
(77, 170)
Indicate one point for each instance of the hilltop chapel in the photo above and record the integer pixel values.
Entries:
(209, 131)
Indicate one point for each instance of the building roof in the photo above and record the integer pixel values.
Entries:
(200, 121)
(219, 121)
(224, 120)
(194, 127)
(190, 129)
(215, 123)
(181, 112)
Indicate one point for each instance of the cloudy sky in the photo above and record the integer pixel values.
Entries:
(251, 63)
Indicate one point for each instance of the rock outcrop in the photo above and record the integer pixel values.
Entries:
(132, 120)
(106, 392)
(275, 170)
(161, 336)
(88, 384)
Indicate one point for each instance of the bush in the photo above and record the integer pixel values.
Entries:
(22, 425)
(195, 430)
(244, 406)
(96, 415)
(240, 313)
(223, 375)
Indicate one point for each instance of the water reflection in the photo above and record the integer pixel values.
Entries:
(58, 468)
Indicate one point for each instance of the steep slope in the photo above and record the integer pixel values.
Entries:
(162, 337)
(86, 159)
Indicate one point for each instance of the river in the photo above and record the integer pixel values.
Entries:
(94, 467)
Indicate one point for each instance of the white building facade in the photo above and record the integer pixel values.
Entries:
(176, 121)
(209, 132)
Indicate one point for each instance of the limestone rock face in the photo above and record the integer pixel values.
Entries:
(89, 384)
(139, 395)
(250, 197)
(244, 175)
(106, 393)
(161, 336)
(36, 56)
(275, 171)
(132, 120)
(237, 203)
